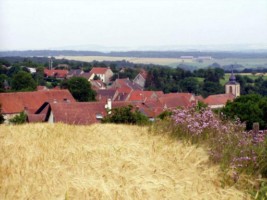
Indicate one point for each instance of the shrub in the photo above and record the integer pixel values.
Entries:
(19, 119)
(126, 115)
(2, 119)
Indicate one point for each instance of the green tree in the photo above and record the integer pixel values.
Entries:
(23, 81)
(3, 79)
(39, 76)
(80, 89)
(248, 108)
(190, 84)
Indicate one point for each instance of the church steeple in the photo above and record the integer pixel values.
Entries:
(232, 87)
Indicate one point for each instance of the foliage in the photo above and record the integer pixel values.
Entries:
(80, 89)
(248, 108)
(19, 119)
(126, 115)
(165, 114)
(23, 81)
(2, 119)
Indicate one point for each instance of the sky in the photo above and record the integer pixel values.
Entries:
(132, 24)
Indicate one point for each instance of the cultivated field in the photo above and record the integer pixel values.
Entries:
(173, 62)
(43, 161)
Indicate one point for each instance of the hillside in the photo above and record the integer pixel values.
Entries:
(43, 161)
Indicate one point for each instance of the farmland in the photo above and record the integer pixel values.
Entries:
(42, 161)
(173, 62)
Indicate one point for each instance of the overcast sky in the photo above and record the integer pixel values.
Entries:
(44, 24)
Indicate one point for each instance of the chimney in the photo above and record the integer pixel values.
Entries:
(108, 106)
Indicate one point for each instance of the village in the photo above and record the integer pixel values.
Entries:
(58, 105)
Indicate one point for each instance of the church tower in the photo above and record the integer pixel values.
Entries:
(232, 87)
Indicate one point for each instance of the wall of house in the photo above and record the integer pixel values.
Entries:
(7, 117)
(51, 118)
(139, 80)
(108, 75)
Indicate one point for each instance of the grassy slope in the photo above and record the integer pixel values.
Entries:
(43, 161)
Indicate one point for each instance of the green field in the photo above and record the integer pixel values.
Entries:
(174, 62)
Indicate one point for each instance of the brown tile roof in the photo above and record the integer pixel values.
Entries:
(58, 73)
(219, 99)
(17, 101)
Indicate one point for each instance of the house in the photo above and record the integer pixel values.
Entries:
(104, 95)
(16, 102)
(104, 74)
(74, 73)
(232, 90)
(98, 85)
(82, 113)
(174, 100)
(218, 100)
(55, 73)
(122, 94)
(125, 82)
(140, 95)
(140, 79)
(78, 113)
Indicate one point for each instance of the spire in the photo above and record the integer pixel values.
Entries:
(232, 77)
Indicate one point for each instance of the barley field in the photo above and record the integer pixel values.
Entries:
(156, 61)
(45, 161)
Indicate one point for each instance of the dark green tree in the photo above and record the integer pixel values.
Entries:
(23, 81)
(248, 108)
(190, 84)
(80, 89)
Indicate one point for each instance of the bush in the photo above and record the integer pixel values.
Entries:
(19, 119)
(126, 115)
(2, 119)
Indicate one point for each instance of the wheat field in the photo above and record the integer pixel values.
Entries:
(45, 161)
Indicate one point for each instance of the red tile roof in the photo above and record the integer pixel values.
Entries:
(17, 101)
(78, 113)
(139, 95)
(219, 99)
(99, 70)
(57, 73)
(104, 95)
(174, 100)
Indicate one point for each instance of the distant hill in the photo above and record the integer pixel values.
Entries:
(140, 54)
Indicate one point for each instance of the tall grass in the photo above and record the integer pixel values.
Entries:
(241, 154)
(43, 161)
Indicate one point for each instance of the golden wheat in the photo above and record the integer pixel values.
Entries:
(44, 161)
